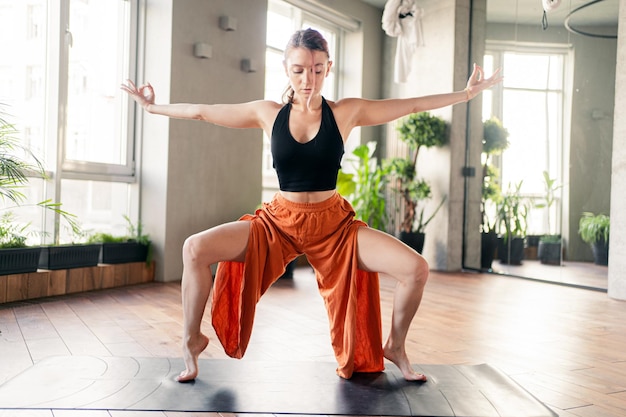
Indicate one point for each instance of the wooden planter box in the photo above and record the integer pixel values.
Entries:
(117, 253)
(69, 256)
(19, 260)
(48, 283)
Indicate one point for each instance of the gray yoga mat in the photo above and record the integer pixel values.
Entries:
(232, 386)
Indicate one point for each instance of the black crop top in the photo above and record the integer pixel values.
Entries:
(311, 166)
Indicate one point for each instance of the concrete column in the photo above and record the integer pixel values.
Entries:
(617, 244)
(196, 175)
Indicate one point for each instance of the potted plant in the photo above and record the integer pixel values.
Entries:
(594, 230)
(512, 212)
(366, 188)
(495, 140)
(72, 255)
(15, 256)
(135, 246)
(418, 130)
(549, 251)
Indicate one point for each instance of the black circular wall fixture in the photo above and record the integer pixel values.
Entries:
(581, 32)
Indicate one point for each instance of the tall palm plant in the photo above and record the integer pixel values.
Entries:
(13, 169)
(17, 164)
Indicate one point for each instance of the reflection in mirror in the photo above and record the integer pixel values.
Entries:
(555, 112)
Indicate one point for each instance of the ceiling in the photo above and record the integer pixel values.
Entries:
(602, 12)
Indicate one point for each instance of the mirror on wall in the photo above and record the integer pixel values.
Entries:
(548, 137)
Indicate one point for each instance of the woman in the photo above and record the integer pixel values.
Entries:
(306, 217)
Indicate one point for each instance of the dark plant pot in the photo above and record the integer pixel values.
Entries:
(69, 256)
(289, 268)
(489, 242)
(414, 240)
(532, 240)
(532, 247)
(19, 260)
(600, 251)
(549, 253)
(123, 252)
(512, 251)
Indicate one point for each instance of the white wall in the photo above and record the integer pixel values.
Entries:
(617, 245)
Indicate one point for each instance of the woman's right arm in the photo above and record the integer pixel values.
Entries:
(254, 114)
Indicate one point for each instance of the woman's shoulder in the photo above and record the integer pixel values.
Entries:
(267, 104)
(267, 107)
(345, 106)
(343, 102)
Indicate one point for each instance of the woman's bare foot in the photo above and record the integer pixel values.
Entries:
(191, 350)
(401, 360)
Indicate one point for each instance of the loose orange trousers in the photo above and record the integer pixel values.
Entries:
(326, 233)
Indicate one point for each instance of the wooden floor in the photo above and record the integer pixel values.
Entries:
(565, 345)
(581, 274)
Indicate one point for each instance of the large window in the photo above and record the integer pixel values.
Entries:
(283, 19)
(59, 85)
(531, 105)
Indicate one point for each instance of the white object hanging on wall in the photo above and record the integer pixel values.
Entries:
(403, 19)
(549, 5)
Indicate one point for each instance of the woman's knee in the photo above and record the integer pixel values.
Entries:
(192, 249)
(227, 242)
(419, 270)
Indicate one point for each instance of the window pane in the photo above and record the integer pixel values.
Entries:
(96, 111)
(22, 69)
(275, 78)
(526, 71)
(488, 67)
(556, 72)
(29, 214)
(280, 24)
(99, 206)
(525, 158)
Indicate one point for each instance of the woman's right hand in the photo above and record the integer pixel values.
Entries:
(143, 95)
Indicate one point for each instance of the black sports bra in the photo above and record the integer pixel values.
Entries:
(310, 166)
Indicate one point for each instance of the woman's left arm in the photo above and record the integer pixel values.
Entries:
(376, 112)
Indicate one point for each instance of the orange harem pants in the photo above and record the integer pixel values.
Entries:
(326, 233)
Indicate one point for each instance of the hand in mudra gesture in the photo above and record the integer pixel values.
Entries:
(143, 95)
(477, 81)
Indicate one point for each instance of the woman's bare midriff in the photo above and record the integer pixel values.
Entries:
(308, 196)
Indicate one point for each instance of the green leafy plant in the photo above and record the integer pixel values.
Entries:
(495, 140)
(134, 233)
(551, 188)
(594, 228)
(512, 210)
(418, 130)
(366, 188)
(15, 171)
(12, 234)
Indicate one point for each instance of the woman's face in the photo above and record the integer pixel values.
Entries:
(306, 70)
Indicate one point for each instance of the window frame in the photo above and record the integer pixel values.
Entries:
(97, 171)
(53, 85)
(497, 51)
